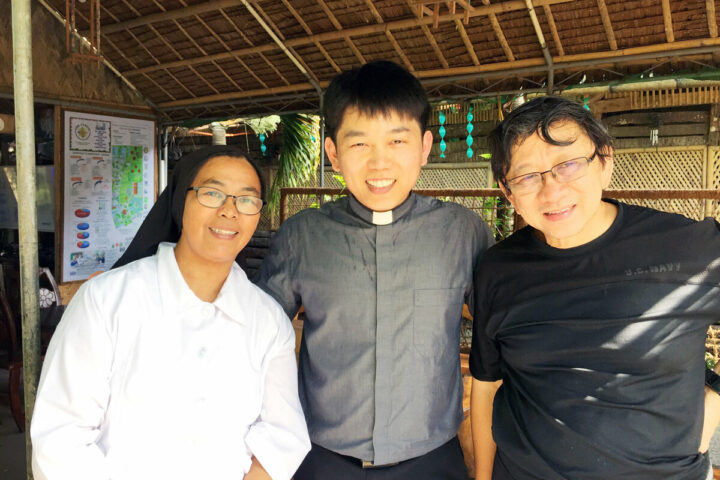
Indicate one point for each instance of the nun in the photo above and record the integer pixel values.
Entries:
(173, 364)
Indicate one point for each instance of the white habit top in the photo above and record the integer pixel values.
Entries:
(143, 380)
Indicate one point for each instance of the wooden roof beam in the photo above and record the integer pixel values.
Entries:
(605, 16)
(711, 18)
(260, 17)
(426, 31)
(338, 26)
(247, 40)
(305, 27)
(494, 70)
(346, 34)
(390, 36)
(667, 18)
(553, 30)
(499, 34)
(170, 15)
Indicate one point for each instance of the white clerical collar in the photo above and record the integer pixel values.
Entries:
(382, 218)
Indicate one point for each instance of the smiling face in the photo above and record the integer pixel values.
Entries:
(379, 156)
(212, 236)
(566, 214)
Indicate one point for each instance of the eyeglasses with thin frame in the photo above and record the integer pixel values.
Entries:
(563, 172)
(213, 198)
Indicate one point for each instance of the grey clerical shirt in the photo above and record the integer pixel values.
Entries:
(379, 373)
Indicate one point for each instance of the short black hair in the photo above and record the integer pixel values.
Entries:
(538, 115)
(380, 86)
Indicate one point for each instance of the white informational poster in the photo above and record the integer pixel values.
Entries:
(109, 189)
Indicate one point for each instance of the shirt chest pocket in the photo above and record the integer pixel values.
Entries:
(436, 320)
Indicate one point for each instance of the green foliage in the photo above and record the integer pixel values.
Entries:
(709, 361)
(299, 154)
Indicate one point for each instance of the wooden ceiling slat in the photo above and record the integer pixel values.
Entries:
(282, 37)
(466, 40)
(711, 18)
(553, 30)
(435, 46)
(169, 15)
(244, 65)
(499, 34)
(308, 31)
(667, 18)
(390, 36)
(338, 26)
(345, 34)
(607, 24)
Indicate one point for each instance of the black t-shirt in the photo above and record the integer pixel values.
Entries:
(600, 348)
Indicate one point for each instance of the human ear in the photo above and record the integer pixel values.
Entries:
(607, 166)
(427, 143)
(331, 152)
(508, 194)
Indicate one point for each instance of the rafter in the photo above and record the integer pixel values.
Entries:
(390, 36)
(711, 18)
(466, 40)
(504, 69)
(346, 34)
(553, 30)
(605, 16)
(309, 32)
(499, 34)
(247, 40)
(667, 18)
(426, 30)
(338, 26)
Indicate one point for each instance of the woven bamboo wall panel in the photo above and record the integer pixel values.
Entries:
(663, 169)
(449, 178)
(713, 181)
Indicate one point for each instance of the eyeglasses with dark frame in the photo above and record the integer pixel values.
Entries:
(563, 172)
(213, 198)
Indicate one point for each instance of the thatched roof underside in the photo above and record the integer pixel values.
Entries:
(204, 59)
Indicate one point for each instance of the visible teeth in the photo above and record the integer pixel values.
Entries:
(222, 232)
(558, 211)
(381, 183)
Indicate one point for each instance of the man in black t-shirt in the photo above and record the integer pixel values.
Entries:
(590, 322)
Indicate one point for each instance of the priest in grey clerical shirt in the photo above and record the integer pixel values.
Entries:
(382, 275)
(379, 363)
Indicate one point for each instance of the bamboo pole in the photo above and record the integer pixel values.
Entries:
(27, 209)
(667, 19)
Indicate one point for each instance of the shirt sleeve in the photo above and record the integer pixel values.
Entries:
(277, 272)
(73, 395)
(279, 438)
(485, 357)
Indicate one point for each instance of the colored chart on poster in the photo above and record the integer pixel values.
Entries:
(127, 184)
(109, 172)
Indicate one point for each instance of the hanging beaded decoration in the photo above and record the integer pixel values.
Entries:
(441, 131)
(469, 139)
(263, 148)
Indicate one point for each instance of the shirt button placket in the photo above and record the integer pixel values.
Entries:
(383, 346)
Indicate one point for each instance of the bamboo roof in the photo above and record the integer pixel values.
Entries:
(205, 59)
